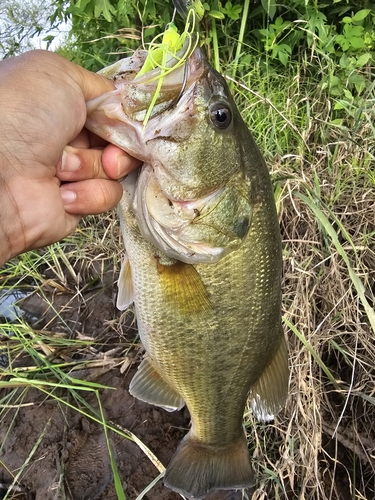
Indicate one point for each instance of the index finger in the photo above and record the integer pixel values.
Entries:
(77, 164)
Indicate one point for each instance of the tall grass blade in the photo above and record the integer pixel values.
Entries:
(241, 35)
(358, 285)
(150, 486)
(116, 476)
(313, 353)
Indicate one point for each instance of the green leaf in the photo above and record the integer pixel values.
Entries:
(81, 4)
(279, 22)
(104, 7)
(270, 7)
(357, 43)
(360, 15)
(343, 42)
(83, 8)
(339, 105)
(356, 78)
(352, 30)
(363, 60)
(264, 32)
(285, 48)
(337, 121)
(232, 11)
(283, 57)
(149, 32)
(216, 14)
(335, 81)
(344, 61)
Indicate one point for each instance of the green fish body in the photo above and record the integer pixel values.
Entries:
(203, 265)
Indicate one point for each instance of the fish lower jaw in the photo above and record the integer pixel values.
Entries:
(176, 247)
(166, 223)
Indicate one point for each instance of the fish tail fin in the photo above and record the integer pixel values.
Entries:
(197, 468)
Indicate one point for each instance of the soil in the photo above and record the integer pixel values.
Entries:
(74, 449)
(69, 454)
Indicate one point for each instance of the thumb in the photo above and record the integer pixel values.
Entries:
(91, 84)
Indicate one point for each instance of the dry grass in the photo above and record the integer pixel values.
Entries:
(322, 446)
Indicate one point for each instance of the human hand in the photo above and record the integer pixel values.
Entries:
(43, 143)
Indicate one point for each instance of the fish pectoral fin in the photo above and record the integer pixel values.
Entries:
(197, 468)
(149, 386)
(183, 288)
(269, 393)
(125, 294)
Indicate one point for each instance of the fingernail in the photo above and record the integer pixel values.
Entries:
(68, 196)
(70, 162)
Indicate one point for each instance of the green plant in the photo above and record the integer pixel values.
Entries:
(273, 35)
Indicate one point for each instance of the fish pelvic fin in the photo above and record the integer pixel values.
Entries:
(197, 468)
(269, 393)
(183, 288)
(149, 386)
(125, 295)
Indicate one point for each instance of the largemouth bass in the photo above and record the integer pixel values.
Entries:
(203, 263)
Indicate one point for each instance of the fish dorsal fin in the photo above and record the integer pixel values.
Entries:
(183, 288)
(125, 294)
(269, 393)
(149, 386)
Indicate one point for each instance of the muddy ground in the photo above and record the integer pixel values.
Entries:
(70, 458)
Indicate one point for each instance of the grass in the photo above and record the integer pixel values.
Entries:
(321, 446)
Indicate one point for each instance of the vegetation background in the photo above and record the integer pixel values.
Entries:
(302, 73)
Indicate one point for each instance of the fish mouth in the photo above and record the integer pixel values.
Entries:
(167, 223)
(119, 115)
(138, 94)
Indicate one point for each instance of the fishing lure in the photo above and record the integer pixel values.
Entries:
(169, 47)
(183, 7)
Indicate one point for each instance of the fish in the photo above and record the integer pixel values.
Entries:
(203, 263)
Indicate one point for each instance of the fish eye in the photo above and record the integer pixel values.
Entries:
(220, 115)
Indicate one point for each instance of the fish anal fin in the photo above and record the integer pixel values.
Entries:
(196, 468)
(125, 294)
(182, 287)
(149, 386)
(269, 393)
